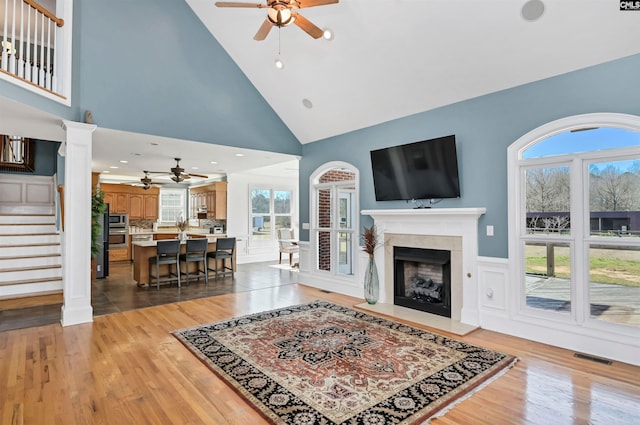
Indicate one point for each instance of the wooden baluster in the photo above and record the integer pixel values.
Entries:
(12, 60)
(54, 71)
(34, 62)
(47, 69)
(5, 59)
(41, 75)
(27, 65)
(21, 56)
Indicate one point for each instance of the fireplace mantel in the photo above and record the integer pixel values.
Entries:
(438, 228)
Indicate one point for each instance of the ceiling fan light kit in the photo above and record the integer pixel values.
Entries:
(281, 13)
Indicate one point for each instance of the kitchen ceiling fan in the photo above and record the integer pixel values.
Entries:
(145, 182)
(281, 13)
(178, 175)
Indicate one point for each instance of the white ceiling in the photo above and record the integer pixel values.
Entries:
(389, 59)
(393, 58)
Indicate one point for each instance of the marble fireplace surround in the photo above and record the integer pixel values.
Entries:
(452, 229)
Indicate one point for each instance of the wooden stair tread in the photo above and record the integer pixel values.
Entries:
(30, 244)
(32, 300)
(28, 234)
(23, 257)
(27, 214)
(25, 281)
(19, 269)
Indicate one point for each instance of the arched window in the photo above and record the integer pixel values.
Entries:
(334, 221)
(574, 211)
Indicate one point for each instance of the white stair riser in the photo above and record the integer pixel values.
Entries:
(29, 239)
(24, 219)
(30, 288)
(21, 229)
(45, 209)
(7, 251)
(30, 274)
(15, 263)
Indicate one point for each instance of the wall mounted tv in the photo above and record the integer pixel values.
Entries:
(420, 170)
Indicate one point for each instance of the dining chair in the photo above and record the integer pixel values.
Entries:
(225, 248)
(196, 252)
(167, 253)
(287, 245)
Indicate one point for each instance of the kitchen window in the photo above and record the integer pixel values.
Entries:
(271, 209)
(173, 205)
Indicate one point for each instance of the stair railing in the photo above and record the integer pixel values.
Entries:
(29, 43)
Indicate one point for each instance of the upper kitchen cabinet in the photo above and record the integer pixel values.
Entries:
(208, 201)
(138, 203)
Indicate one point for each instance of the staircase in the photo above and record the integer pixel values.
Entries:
(30, 257)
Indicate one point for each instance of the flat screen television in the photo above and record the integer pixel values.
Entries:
(419, 170)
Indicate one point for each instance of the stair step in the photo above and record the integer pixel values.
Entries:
(31, 239)
(40, 267)
(26, 287)
(19, 276)
(11, 219)
(33, 249)
(27, 229)
(32, 300)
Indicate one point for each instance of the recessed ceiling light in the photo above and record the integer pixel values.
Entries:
(122, 161)
(114, 166)
(278, 63)
(328, 34)
(239, 154)
(194, 168)
(106, 171)
(532, 10)
(307, 103)
(213, 162)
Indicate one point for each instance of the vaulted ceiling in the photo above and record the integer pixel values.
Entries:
(393, 58)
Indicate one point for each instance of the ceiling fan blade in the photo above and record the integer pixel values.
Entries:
(308, 26)
(312, 3)
(263, 31)
(237, 4)
(202, 176)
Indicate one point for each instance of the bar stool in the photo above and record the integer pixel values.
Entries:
(224, 250)
(167, 252)
(195, 253)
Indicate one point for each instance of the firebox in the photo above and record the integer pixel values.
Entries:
(422, 279)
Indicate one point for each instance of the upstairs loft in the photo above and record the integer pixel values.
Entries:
(35, 39)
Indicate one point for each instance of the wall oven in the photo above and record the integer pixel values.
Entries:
(118, 231)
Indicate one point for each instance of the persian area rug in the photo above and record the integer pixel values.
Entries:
(321, 363)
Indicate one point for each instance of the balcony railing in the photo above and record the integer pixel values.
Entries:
(32, 42)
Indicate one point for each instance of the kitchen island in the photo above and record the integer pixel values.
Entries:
(143, 250)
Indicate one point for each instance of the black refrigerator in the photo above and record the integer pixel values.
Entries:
(102, 260)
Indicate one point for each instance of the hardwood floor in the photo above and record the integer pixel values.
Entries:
(126, 368)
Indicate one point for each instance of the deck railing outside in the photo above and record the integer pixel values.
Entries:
(30, 37)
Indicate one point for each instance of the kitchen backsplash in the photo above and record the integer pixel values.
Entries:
(204, 224)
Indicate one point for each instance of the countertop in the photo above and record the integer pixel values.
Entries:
(160, 231)
(153, 243)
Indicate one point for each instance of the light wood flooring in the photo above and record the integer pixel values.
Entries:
(126, 368)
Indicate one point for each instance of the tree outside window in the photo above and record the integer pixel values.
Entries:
(270, 211)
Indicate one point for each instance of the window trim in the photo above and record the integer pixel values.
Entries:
(272, 213)
(314, 185)
(515, 201)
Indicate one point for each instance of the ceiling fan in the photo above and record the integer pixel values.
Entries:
(281, 13)
(178, 174)
(145, 182)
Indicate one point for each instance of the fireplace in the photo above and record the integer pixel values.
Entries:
(422, 279)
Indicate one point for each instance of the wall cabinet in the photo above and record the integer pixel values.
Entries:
(138, 203)
(212, 197)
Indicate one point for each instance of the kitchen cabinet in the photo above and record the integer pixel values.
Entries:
(136, 207)
(213, 197)
(150, 207)
(138, 203)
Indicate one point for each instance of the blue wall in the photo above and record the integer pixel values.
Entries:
(151, 66)
(45, 161)
(484, 128)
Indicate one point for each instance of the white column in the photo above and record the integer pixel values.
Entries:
(76, 249)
